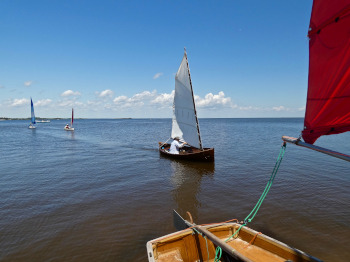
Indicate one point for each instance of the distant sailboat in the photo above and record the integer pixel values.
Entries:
(70, 128)
(185, 125)
(32, 119)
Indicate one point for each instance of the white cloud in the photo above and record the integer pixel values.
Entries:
(28, 83)
(106, 93)
(70, 93)
(19, 102)
(69, 103)
(144, 95)
(147, 98)
(157, 75)
(248, 108)
(120, 99)
(164, 99)
(211, 100)
(280, 108)
(43, 102)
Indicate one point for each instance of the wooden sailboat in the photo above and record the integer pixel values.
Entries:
(185, 122)
(70, 128)
(32, 118)
(327, 113)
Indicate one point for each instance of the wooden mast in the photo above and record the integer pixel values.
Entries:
(194, 105)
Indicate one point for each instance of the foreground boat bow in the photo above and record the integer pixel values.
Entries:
(246, 245)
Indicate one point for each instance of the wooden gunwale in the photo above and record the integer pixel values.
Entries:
(190, 153)
(262, 245)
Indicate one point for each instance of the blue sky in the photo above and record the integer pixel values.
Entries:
(111, 59)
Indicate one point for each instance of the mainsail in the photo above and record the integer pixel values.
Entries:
(328, 98)
(32, 112)
(71, 121)
(185, 122)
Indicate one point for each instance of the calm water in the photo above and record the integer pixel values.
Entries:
(100, 193)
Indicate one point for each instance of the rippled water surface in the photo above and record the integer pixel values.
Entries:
(101, 192)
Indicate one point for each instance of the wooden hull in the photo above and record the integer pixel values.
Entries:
(188, 153)
(250, 244)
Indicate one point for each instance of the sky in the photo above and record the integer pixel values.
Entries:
(118, 59)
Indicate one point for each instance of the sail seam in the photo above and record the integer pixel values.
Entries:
(333, 19)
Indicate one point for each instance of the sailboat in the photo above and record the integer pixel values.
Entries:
(70, 128)
(32, 119)
(327, 113)
(185, 126)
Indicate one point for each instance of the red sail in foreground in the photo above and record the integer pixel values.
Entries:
(328, 98)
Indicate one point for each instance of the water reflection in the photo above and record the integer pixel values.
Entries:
(70, 134)
(186, 178)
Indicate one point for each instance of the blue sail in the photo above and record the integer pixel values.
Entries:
(32, 112)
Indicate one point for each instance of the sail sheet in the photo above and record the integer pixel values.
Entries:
(328, 98)
(184, 116)
(32, 112)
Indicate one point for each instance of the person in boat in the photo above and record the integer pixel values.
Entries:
(67, 126)
(175, 146)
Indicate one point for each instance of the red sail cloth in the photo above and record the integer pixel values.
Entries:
(328, 97)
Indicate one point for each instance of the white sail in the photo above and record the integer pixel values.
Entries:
(185, 123)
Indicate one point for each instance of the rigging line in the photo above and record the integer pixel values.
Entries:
(165, 142)
(252, 214)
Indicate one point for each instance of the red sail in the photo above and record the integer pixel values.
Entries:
(328, 98)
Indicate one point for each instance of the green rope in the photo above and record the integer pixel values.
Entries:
(218, 254)
(255, 210)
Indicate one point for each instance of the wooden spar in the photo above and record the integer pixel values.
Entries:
(194, 105)
(297, 142)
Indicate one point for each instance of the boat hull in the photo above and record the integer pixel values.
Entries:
(252, 245)
(188, 153)
(31, 127)
(69, 129)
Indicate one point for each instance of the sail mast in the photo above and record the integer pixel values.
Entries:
(71, 121)
(194, 105)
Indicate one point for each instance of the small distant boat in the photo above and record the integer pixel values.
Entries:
(32, 119)
(70, 128)
(185, 122)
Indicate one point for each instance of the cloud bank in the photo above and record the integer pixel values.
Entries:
(144, 104)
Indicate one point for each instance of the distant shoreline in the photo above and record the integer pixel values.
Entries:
(121, 118)
(55, 118)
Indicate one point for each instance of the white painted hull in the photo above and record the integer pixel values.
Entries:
(69, 129)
